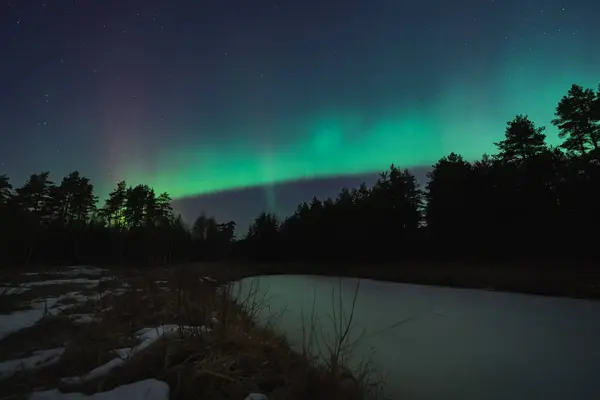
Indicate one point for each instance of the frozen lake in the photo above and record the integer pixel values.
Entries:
(454, 343)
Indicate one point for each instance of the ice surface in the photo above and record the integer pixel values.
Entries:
(445, 343)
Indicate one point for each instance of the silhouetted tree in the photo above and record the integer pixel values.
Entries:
(527, 198)
(227, 232)
(449, 203)
(162, 211)
(137, 200)
(264, 228)
(578, 118)
(74, 198)
(115, 204)
(5, 189)
(44, 223)
(202, 226)
(35, 196)
(522, 140)
(213, 240)
(397, 204)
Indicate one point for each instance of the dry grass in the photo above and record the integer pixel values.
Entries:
(334, 353)
(232, 358)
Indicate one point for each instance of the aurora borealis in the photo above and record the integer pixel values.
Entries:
(199, 97)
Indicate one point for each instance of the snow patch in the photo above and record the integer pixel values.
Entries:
(207, 279)
(149, 389)
(116, 292)
(39, 359)
(151, 335)
(85, 270)
(73, 271)
(10, 290)
(147, 336)
(81, 298)
(18, 320)
(97, 372)
(77, 296)
(123, 353)
(90, 283)
(83, 318)
(256, 396)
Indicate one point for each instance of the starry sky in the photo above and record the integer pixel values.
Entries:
(237, 106)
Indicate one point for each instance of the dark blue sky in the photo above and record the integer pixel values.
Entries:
(197, 97)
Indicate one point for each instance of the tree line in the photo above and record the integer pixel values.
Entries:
(47, 223)
(529, 199)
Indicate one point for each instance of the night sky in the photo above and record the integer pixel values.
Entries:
(199, 97)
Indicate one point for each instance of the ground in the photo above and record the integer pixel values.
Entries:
(174, 332)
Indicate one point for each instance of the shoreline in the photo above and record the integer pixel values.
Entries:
(579, 282)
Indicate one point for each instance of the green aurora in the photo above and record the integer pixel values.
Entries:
(206, 98)
(464, 118)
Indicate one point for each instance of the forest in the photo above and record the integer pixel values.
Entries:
(528, 200)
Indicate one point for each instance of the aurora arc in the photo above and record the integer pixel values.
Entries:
(465, 118)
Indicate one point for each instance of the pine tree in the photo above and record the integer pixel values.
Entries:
(522, 140)
(578, 120)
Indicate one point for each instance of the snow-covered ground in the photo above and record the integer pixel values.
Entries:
(149, 389)
(39, 359)
(145, 337)
(80, 270)
(89, 283)
(37, 308)
(84, 306)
